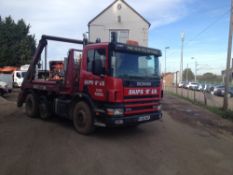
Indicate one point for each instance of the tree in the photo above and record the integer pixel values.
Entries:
(210, 78)
(188, 75)
(16, 44)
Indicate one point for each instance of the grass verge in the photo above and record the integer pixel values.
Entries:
(226, 114)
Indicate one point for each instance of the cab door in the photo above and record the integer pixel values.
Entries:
(95, 74)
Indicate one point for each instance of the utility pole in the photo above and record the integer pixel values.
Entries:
(187, 73)
(176, 81)
(165, 68)
(181, 56)
(227, 72)
(195, 76)
(196, 71)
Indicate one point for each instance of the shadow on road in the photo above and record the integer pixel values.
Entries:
(99, 132)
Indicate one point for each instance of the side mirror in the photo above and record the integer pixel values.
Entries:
(98, 68)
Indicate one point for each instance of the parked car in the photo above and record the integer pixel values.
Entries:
(220, 91)
(211, 87)
(181, 84)
(217, 90)
(186, 85)
(200, 87)
(4, 88)
(207, 87)
(192, 85)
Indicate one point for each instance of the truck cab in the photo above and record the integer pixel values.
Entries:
(105, 84)
(18, 77)
(124, 81)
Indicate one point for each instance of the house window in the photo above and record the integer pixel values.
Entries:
(122, 35)
(118, 6)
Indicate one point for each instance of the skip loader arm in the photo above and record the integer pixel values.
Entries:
(36, 58)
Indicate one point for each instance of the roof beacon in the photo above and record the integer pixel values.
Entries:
(132, 42)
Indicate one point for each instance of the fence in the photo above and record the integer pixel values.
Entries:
(201, 97)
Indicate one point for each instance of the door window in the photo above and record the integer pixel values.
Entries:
(90, 60)
(96, 59)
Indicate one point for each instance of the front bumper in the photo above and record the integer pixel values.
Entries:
(128, 120)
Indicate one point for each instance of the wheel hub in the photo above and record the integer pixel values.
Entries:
(81, 118)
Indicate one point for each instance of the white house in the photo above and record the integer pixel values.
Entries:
(119, 17)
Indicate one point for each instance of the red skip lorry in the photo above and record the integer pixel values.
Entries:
(106, 84)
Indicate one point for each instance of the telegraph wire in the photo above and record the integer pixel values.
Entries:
(187, 43)
(208, 26)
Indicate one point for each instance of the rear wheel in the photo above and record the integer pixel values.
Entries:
(83, 119)
(1, 92)
(31, 106)
(44, 108)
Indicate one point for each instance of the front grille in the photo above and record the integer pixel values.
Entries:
(141, 108)
(141, 104)
(140, 97)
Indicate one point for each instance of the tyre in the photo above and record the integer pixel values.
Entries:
(83, 119)
(31, 106)
(1, 92)
(44, 109)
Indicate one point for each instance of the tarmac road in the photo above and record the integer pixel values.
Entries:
(182, 143)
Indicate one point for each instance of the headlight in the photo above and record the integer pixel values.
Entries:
(116, 111)
(159, 107)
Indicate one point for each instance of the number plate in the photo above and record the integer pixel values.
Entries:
(144, 118)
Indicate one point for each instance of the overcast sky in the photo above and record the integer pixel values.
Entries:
(205, 24)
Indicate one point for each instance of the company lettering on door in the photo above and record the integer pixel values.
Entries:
(94, 82)
(142, 91)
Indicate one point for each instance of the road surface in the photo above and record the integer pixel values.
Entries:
(182, 143)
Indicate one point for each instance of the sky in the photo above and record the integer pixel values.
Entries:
(205, 24)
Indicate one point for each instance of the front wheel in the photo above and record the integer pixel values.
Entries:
(83, 119)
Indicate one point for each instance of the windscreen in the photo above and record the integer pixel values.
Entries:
(138, 65)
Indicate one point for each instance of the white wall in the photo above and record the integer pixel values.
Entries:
(138, 28)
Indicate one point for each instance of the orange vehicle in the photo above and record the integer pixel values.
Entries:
(56, 70)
